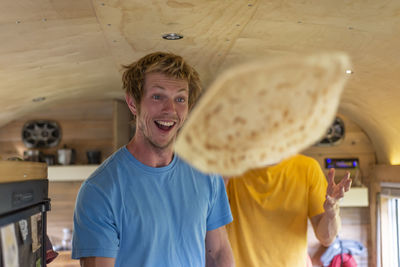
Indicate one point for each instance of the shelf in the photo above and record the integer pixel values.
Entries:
(355, 197)
(70, 173)
(13, 171)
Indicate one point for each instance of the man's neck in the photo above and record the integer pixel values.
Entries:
(150, 155)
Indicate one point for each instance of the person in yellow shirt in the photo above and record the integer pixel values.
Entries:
(271, 205)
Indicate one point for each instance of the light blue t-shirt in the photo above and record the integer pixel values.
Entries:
(145, 216)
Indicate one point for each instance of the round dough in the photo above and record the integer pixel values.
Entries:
(260, 113)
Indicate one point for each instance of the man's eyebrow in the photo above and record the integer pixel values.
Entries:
(184, 89)
(162, 88)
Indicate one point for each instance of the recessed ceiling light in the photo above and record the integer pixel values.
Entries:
(172, 36)
(39, 99)
(349, 71)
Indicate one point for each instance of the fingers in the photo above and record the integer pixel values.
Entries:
(330, 180)
(341, 193)
(331, 176)
(347, 185)
(345, 180)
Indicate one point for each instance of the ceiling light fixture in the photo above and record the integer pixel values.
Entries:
(172, 36)
(349, 71)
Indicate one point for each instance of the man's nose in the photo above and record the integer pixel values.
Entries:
(169, 106)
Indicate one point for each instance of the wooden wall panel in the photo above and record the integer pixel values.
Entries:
(356, 144)
(82, 128)
(122, 118)
(63, 197)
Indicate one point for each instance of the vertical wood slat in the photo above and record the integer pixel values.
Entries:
(121, 127)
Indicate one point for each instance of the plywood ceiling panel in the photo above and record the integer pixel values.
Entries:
(66, 50)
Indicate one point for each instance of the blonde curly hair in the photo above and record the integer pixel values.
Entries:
(160, 62)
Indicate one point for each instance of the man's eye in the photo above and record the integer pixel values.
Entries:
(156, 97)
(181, 100)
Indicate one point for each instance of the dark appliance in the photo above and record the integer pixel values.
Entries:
(23, 206)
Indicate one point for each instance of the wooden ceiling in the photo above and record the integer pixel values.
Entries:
(73, 50)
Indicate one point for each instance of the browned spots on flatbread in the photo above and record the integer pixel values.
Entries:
(217, 109)
(211, 162)
(325, 91)
(228, 142)
(313, 96)
(253, 134)
(213, 112)
(234, 100)
(207, 118)
(226, 147)
(285, 113)
(283, 85)
(262, 92)
(211, 147)
(239, 120)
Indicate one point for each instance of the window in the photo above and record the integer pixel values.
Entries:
(389, 225)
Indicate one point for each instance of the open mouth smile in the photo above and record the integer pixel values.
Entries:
(165, 125)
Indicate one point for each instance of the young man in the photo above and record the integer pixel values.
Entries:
(271, 206)
(144, 206)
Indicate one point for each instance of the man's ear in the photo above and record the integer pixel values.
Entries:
(131, 103)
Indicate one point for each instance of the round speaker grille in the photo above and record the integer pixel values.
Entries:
(41, 134)
(334, 135)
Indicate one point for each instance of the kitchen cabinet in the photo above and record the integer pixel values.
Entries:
(356, 197)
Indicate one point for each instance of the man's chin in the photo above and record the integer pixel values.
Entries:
(163, 145)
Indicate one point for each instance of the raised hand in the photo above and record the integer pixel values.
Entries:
(335, 192)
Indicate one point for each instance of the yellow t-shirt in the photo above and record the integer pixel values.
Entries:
(270, 207)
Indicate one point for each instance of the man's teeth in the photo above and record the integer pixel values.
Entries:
(165, 123)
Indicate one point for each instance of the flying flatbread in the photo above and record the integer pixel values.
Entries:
(260, 113)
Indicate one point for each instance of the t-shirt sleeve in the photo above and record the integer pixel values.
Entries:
(317, 189)
(95, 232)
(219, 213)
